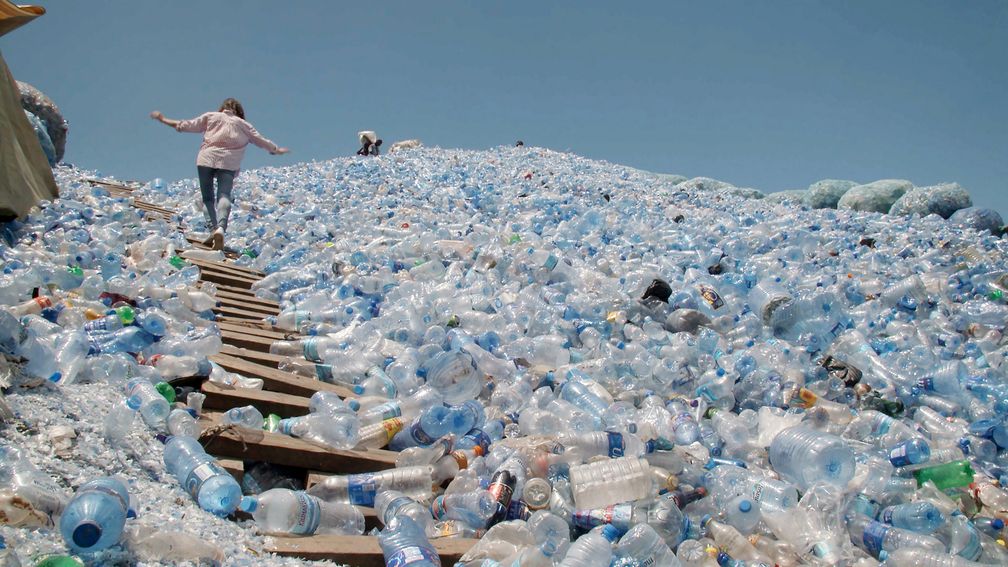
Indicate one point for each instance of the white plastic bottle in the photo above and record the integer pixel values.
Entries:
(279, 511)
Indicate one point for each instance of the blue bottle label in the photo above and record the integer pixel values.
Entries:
(615, 514)
(711, 296)
(885, 516)
(898, 456)
(874, 534)
(479, 438)
(201, 474)
(419, 435)
(411, 555)
(362, 489)
(324, 372)
(388, 410)
(616, 445)
(310, 348)
(926, 384)
(309, 514)
(551, 262)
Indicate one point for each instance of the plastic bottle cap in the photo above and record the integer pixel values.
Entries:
(745, 506)
(610, 532)
(997, 523)
(86, 534)
(248, 504)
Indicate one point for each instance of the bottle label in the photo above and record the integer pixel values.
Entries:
(898, 456)
(391, 427)
(388, 410)
(757, 491)
(874, 534)
(616, 514)
(926, 384)
(479, 438)
(310, 349)
(885, 516)
(324, 372)
(616, 445)
(518, 510)
(309, 514)
(201, 474)
(711, 296)
(362, 489)
(551, 262)
(419, 435)
(413, 554)
(438, 509)
(460, 459)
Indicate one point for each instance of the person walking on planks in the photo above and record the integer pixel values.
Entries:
(225, 135)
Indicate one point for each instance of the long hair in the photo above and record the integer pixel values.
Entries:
(234, 106)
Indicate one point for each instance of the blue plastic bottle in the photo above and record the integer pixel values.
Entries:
(404, 544)
(94, 518)
(920, 517)
(211, 486)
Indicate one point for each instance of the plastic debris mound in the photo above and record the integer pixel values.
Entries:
(575, 362)
(37, 103)
(942, 200)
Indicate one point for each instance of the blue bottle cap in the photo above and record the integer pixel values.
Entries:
(610, 532)
(997, 523)
(745, 506)
(86, 534)
(248, 504)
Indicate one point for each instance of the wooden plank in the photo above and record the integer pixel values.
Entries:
(263, 358)
(243, 292)
(284, 405)
(227, 314)
(249, 298)
(217, 277)
(359, 551)
(234, 467)
(245, 340)
(254, 445)
(277, 380)
(251, 272)
(260, 332)
(245, 308)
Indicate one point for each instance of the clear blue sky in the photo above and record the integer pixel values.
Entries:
(771, 95)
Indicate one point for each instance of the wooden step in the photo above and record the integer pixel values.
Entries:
(247, 297)
(247, 309)
(227, 314)
(259, 331)
(234, 467)
(246, 292)
(256, 445)
(222, 266)
(277, 380)
(358, 551)
(246, 340)
(222, 399)
(224, 278)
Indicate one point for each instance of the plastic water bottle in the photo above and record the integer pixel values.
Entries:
(181, 423)
(602, 483)
(804, 456)
(392, 503)
(210, 486)
(337, 432)
(474, 508)
(913, 557)
(361, 489)
(594, 549)
(642, 545)
(404, 544)
(94, 518)
(920, 517)
(912, 452)
(248, 417)
(280, 512)
(406, 408)
(152, 406)
(875, 537)
(7, 556)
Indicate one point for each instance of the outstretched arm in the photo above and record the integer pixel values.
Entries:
(198, 124)
(258, 139)
(156, 115)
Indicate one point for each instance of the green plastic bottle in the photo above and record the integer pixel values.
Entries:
(126, 314)
(166, 390)
(955, 474)
(59, 561)
(178, 262)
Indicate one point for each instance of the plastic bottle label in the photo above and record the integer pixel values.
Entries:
(410, 555)
(310, 349)
(616, 514)
(362, 489)
(388, 410)
(391, 427)
(711, 296)
(898, 456)
(479, 438)
(309, 515)
(324, 372)
(886, 515)
(419, 435)
(616, 445)
(201, 474)
(874, 534)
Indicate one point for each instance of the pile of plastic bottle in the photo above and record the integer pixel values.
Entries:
(580, 364)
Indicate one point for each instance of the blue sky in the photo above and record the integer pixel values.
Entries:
(771, 95)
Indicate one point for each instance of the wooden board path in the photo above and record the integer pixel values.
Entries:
(284, 405)
(276, 380)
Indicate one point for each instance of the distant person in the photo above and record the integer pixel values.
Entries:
(370, 142)
(225, 135)
(519, 144)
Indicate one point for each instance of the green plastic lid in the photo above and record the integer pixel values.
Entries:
(59, 561)
(166, 390)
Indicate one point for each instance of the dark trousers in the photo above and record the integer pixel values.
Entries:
(218, 207)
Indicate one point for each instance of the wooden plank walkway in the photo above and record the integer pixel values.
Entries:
(247, 337)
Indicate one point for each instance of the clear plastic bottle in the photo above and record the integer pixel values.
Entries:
(914, 557)
(920, 517)
(246, 416)
(182, 423)
(391, 503)
(404, 544)
(803, 455)
(875, 537)
(474, 508)
(8, 558)
(95, 517)
(594, 549)
(41, 499)
(339, 433)
(602, 483)
(361, 489)
(729, 539)
(210, 486)
(642, 545)
(152, 406)
(281, 512)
